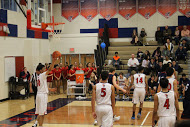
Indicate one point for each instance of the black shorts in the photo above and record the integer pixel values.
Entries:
(186, 109)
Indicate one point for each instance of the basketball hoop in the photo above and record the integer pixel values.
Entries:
(55, 34)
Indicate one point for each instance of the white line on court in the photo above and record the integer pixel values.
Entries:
(145, 119)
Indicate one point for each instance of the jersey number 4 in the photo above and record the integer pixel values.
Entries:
(141, 80)
(167, 104)
(103, 92)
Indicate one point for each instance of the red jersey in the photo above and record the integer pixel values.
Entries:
(65, 71)
(80, 68)
(50, 78)
(57, 73)
(89, 73)
(72, 78)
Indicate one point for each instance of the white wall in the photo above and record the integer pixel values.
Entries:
(137, 20)
(33, 50)
(82, 43)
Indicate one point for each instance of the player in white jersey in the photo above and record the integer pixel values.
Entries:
(140, 83)
(104, 95)
(122, 83)
(42, 94)
(172, 85)
(166, 106)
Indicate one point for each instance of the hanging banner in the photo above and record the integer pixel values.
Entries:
(108, 8)
(184, 7)
(127, 8)
(89, 9)
(70, 9)
(147, 8)
(167, 7)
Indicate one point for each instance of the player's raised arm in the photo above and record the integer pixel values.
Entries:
(113, 98)
(175, 88)
(55, 61)
(117, 86)
(93, 102)
(154, 116)
(177, 106)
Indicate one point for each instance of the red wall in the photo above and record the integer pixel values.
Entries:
(19, 64)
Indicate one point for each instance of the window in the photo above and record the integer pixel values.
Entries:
(9, 5)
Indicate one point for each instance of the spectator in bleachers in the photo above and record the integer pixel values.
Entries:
(145, 64)
(167, 33)
(162, 74)
(180, 53)
(169, 46)
(165, 52)
(159, 66)
(177, 36)
(185, 34)
(94, 67)
(133, 63)
(157, 52)
(152, 85)
(143, 35)
(75, 65)
(159, 36)
(152, 65)
(183, 82)
(176, 66)
(116, 60)
(147, 53)
(157, 59)
(185, 45)
(134, 37)
(167, 60)
(139, 55)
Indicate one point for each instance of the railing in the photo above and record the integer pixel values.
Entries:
(100, 53)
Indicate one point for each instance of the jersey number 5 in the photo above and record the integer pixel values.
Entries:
(141, 80)
(167, 104)
(103, 92)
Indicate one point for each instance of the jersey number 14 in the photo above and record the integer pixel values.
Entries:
(141, 80)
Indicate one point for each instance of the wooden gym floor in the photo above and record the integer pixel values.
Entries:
(63, 112)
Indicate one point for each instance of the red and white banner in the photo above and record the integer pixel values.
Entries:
(89, 9)
(184, 7)
(108, 8)
(70, 9)
(127, 8)
(146, 8)
(167, 7)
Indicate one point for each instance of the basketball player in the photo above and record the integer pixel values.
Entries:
(186, 102)
(140, 83)
(42, 93)
(104, 94)
(172, 86)
(112, 80)
(166, 106)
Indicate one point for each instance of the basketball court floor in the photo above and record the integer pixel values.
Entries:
(63, 112)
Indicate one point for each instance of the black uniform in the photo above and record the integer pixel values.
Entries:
(186, 103)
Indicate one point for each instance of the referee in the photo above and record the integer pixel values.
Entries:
(33, 84)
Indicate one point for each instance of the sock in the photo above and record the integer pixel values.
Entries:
(155, 121)
(36, 122)
(133, 113)
(140, 110)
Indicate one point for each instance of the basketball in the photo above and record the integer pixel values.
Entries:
(56, 54)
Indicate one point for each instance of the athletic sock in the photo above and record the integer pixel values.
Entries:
(155, 121)
(36, 122)
(140, 110)
(133, 113)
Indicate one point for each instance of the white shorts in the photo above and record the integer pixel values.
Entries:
(167, 121)
(104, 115)
(122, 86)
(41, 104)
(138, 95)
